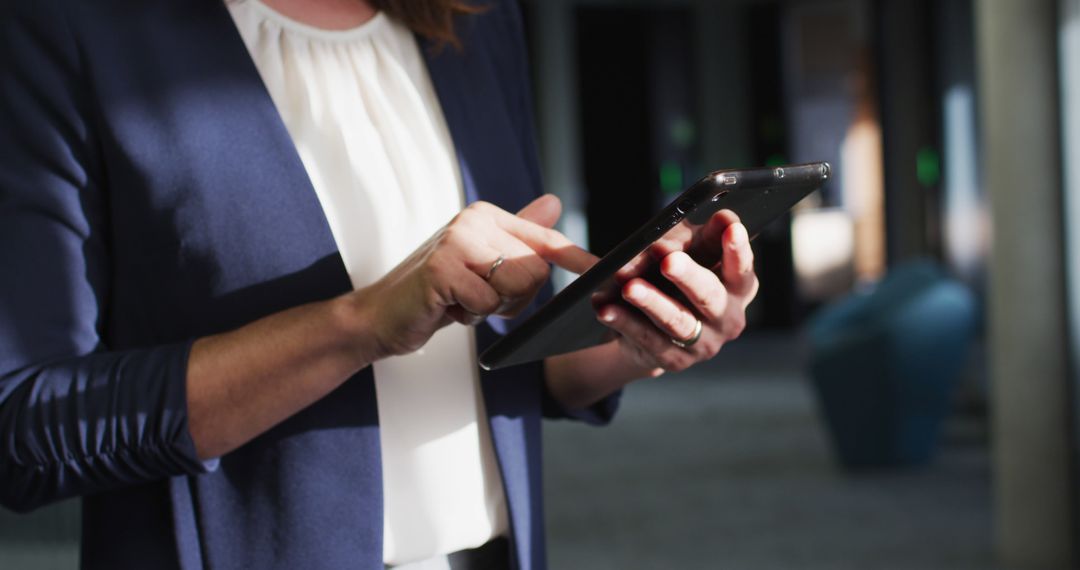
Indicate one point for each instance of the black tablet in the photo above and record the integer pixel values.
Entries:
(568, 321)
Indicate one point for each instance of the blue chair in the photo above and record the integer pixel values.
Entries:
(885, 365)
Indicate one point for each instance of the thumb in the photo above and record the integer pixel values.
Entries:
(544, 210)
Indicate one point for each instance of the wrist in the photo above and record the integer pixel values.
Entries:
(619, 366)
(579, 379)
(353, 323)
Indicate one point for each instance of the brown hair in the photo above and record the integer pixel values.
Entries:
(433, 19)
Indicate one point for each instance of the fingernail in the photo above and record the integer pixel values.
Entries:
(608, 316)
(738, 236)
(637, 291)
(674, 264)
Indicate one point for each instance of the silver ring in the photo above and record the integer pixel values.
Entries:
(494, 265)
(690, 341)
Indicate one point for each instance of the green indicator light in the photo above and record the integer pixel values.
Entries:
(928, 166)
(670, 177)
(775, 160)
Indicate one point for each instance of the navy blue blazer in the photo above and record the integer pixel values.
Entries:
(150, 195)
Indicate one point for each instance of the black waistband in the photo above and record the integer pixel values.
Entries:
(493, 555)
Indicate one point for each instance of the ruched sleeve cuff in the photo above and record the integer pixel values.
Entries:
(599, 414)
(96, 422)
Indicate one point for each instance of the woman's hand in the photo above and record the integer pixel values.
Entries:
(451, 277)
(717, 276)
(719, 282)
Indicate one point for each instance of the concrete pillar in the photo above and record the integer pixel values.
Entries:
(1017, 57)
(1069, 67)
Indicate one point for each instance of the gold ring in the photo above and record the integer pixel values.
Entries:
(494, 265)
(690, 341)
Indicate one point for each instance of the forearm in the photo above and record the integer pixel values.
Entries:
(242, 383)
(579, 379)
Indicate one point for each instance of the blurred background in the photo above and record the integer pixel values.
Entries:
(906, 394)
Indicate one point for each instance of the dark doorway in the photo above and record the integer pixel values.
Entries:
(778, 304)
(638, 116)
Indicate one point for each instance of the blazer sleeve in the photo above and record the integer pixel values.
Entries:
(599, 414)
(75, 417)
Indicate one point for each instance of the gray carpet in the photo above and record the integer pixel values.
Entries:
(724, 467)
(728, 467)
(46, 539)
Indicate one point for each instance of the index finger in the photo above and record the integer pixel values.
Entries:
(549, 244)
(738, 266)
(710, 249)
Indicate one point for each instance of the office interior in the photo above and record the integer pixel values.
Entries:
(906, 393)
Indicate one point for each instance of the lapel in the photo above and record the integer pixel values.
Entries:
(254, 112)
(447, 69)
(483, 96)
(213, 220)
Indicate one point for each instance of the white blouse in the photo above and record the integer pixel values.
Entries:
(363, 114)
